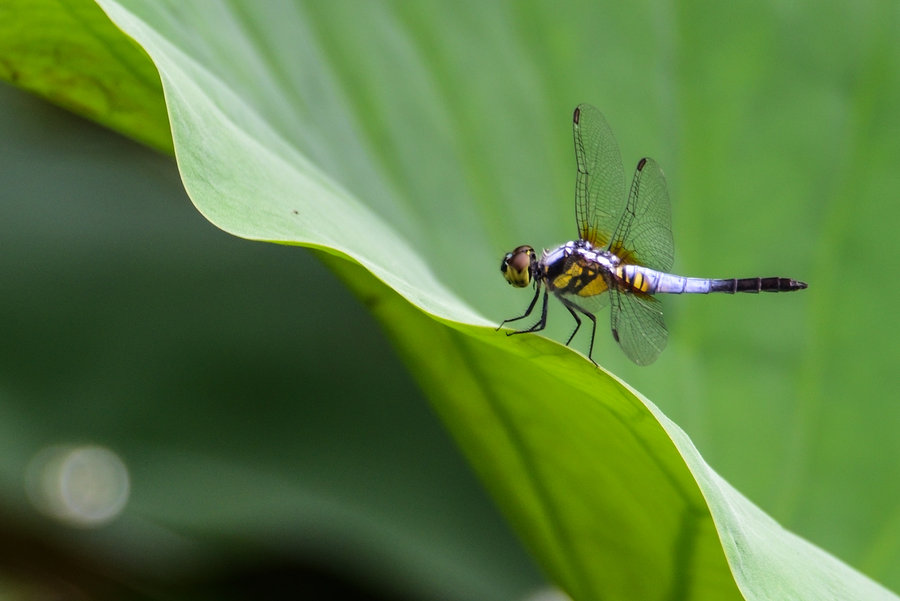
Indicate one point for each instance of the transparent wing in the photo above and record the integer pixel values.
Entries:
(600, 182)
(637, 325)
(644, 234)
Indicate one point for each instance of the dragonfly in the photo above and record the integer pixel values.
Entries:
(623, 253)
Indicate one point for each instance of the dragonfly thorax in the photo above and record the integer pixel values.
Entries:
(557, 261)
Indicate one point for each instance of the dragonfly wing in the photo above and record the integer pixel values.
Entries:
(644, 234)
(637, 325)
(600, 181)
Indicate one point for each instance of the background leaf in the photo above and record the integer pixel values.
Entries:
(506, 182)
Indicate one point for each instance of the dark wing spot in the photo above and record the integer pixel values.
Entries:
(615, 334)
(641, 164)
(577, 115)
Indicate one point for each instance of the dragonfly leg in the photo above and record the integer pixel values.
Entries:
(541, 323)
(537, 292)
(572, 307)
(577, 323)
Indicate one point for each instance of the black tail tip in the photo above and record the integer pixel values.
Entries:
(797, 285)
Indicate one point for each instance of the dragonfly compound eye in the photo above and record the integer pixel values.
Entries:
(516, 266)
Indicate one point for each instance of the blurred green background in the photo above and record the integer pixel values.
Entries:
(777, 127)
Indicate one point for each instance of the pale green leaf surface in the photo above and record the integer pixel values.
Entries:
(389, 144)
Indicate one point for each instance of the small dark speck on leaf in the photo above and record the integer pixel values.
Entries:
(371, 301)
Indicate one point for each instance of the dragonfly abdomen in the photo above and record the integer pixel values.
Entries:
(649, 281)
(756, 285)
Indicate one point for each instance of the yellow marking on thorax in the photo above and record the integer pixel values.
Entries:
(573, 272)
(563, 280)
(597, 286)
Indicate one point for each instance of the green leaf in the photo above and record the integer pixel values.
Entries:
(421, 141)
(585, 468)
(67, 52)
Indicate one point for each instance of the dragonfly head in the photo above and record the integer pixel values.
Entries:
(517, 266)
